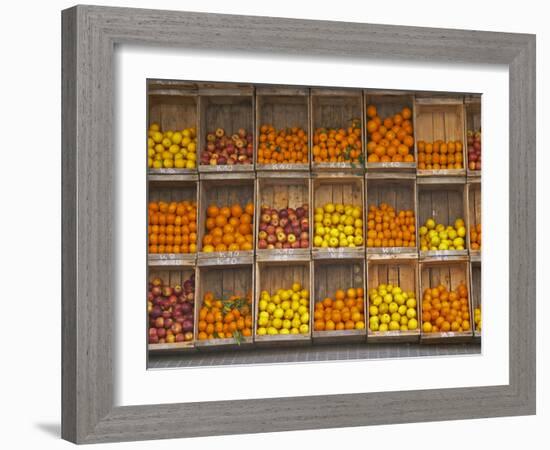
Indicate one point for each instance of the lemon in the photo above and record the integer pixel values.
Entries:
(296, 287)
(296, 322)
(383, 327)
(272, 331)
(392, 308)
(168, 163)
(287, 324)
(329, 208)
(179, 164)
(411, 303)
(154, 126)
(157, 137)
(166, 143)
(277, 323)
(304, 329)
(262, 331)
(176, 138)
(278, 313)
(284, 331)
(304, 318)
(411, 313)
(393, 326)
(413, 324)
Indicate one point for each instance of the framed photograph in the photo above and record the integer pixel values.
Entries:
(293, 208)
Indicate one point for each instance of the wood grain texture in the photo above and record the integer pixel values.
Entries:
(89, 37)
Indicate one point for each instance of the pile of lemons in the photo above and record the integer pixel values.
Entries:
(171, 149)
(338, 225)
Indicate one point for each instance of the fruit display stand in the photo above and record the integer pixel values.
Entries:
(440, 118)
(398, 190)
(473, 123)
(389, 103)
(172, 276)
(283, 108)
(224, 282)
(223, 112)
(173, 188)
(450, 274)
(443, 199)
(280, 191)
(271, 276)
(475, 283)
(339, 188)
(402, 273)
(337, 109)
(328, 278)
(224, 190)
(173, 106)
(474, 213)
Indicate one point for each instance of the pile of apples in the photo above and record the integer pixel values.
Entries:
(284, 228)
(221, 149)
(474, 149)
(170, 310)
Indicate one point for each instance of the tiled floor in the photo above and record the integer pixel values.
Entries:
(308, 354)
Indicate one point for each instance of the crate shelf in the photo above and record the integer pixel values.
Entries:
(171, 276)
(400, 194)
(224, 193)
(273, 275)
(339, 189)
(328, 277)
(449, 274)
(228, 113)
(389, 103)
(335, 109)
(473, 123)
(224, 281)
(398, 272)
(439, 118)
(444, 201)
(283, 108)
(280, 193)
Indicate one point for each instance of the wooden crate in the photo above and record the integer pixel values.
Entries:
(398, 191)
(173, 107)
(170, 188)
(444, 199)
(387, 104)
(475, 283)
(450, 274)
(224, 192)
(282, 107)
(440, 118)
(327, 278)
(336, 108)
(172, 275)
(338, 188)
(398, 272)
(230, 110)
(273, 275)
(224, 281)
(474, 214)
(473, 122)
(286, 190)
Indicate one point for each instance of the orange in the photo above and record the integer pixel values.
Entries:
(236, 210)
(212, 211)
(220, 220)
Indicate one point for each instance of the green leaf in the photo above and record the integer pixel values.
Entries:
(238, 336)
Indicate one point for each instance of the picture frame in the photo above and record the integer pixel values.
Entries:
(90, 34)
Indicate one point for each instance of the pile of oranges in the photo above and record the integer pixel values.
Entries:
(475, 237)
(391, 139)
(172, 227)
(338, 145)
(284, 146)
(228, 228)
(440, 155)
(345, 312)
(444, 311)
(224, 319)
(386, 228)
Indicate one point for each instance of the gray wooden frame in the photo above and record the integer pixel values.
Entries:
(90, 34)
